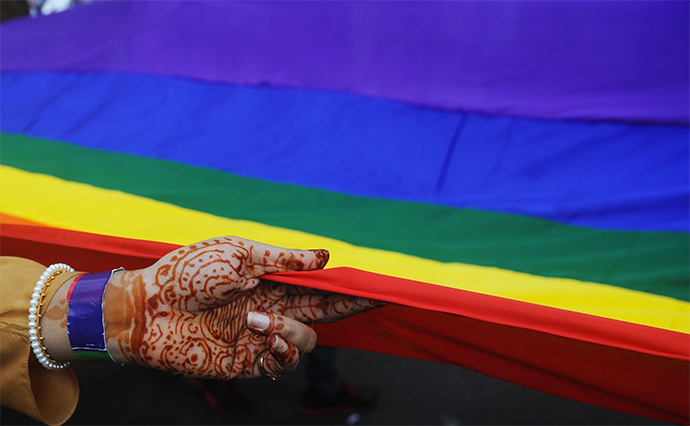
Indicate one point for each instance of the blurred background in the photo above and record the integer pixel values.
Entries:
(413, 392)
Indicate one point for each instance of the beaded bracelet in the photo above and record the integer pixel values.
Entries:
(35, 315)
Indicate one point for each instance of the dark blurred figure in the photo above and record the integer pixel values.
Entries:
(10, 9)
(326, 390)
(16, 8)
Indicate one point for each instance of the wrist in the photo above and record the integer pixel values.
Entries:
(53, 322)
(118, 316)
(59, 333)
(85, 321)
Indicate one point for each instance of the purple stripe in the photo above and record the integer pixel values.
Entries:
(567, 60)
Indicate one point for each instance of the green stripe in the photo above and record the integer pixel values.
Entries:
(654, 262)
(85, 355)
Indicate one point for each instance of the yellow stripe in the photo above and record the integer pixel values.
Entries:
(64, 204)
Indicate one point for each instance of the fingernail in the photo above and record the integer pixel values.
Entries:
(322, 256)
(258, 321)
(279, 344)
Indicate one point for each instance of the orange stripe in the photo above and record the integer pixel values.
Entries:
(6, 219)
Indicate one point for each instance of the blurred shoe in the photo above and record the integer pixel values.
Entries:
(348, 400)
(224, 397)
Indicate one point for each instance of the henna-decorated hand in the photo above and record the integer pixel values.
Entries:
(203, 310)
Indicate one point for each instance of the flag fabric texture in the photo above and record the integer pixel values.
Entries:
(512, 176)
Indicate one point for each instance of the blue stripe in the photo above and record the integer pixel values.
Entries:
(603, 175)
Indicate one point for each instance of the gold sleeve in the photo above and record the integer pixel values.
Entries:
(26, 386)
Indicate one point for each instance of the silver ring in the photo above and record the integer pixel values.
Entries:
(262, 367)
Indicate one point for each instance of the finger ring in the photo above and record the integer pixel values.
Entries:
(262, 367)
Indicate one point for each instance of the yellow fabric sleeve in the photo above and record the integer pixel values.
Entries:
(26, 386)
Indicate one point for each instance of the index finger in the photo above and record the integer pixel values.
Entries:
(267, 259)
(328, 307)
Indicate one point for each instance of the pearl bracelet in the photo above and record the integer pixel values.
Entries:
(35, 315)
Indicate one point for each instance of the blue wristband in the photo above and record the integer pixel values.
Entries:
(85, 325)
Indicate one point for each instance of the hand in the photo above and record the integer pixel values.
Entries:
(203, 310)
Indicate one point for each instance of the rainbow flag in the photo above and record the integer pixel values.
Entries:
(512, 176)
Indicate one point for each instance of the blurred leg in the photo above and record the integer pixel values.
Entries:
(327, 391)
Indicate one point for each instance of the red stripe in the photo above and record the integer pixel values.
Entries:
(645, 385)
(498, 310)
(71, 287)
(81, 250)
(623, 366)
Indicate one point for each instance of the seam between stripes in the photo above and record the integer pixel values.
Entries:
(449, 153)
